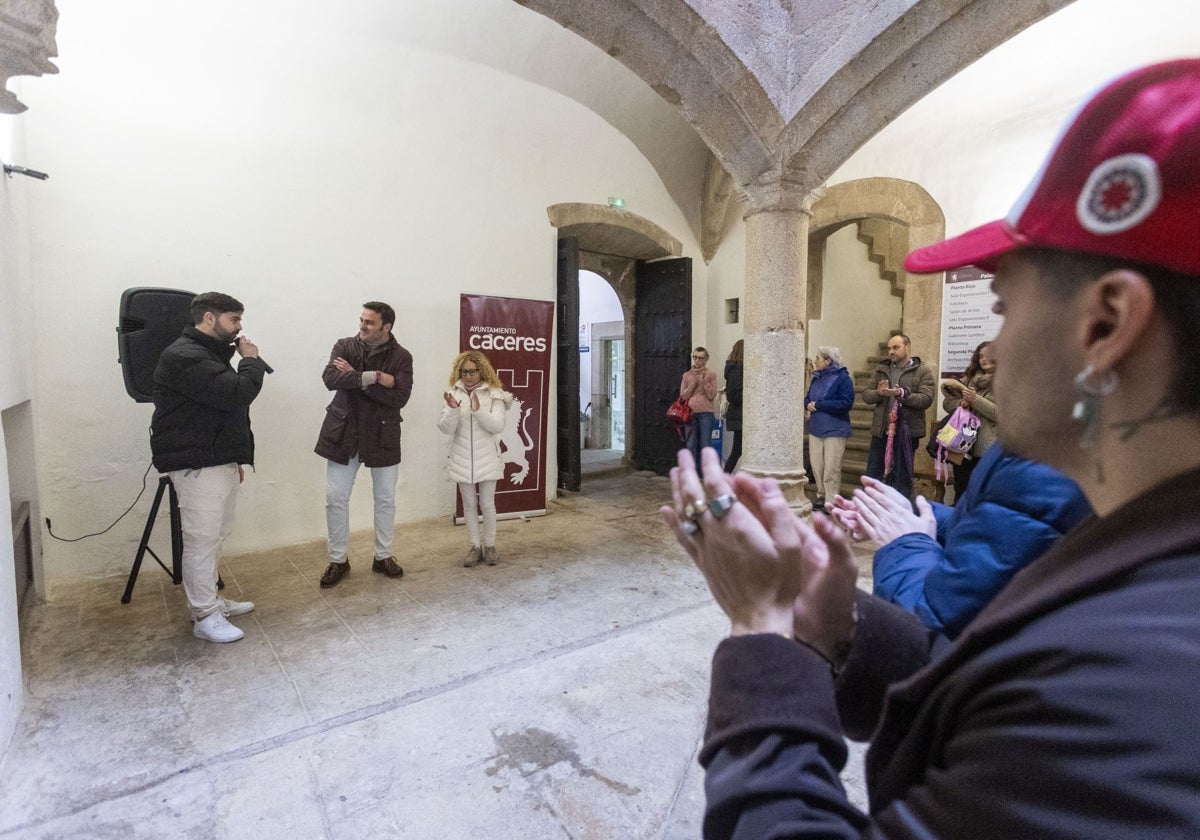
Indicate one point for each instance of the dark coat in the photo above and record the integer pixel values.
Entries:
(833, 392)
(918, 385)
(365, 421)
(1011, 514)
(202, 405)
(733, 393)
(1066, 709)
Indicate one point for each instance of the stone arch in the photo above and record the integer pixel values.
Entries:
(611, 241)
(893, 218)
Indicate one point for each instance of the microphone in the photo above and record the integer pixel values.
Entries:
(266, 366)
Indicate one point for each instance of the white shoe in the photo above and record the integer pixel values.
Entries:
(231, 608)
(215, 628)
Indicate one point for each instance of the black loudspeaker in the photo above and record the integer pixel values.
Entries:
(150, 320)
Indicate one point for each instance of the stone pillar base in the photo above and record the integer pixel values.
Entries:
(791, 484)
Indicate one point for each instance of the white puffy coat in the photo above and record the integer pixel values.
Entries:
(474, 454)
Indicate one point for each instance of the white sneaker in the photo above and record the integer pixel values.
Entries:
(216, 629)
(230, 608)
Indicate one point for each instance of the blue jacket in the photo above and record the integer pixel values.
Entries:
(1012, 512)
(833, 392)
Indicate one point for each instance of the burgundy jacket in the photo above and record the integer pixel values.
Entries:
(365, 421)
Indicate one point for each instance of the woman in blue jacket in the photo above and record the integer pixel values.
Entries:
(828, 402)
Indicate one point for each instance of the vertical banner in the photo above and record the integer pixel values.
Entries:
(516, 335)
(967, 317)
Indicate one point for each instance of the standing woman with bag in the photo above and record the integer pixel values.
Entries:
(699, 389)
(733, 394)
(474, 414)
(973, 392)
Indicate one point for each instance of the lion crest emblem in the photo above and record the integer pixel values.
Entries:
(515, 441)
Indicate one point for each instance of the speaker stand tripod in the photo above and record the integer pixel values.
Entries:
(165, 485)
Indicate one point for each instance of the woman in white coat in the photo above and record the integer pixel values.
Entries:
(475, 410)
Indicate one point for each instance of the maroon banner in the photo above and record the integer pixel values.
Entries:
(516, 336)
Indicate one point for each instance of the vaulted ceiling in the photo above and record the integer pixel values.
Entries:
(785, 90)
(780, 91)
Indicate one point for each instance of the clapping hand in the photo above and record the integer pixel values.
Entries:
(882, 514)
(769, 571)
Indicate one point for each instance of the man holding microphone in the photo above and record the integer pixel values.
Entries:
(200, 436)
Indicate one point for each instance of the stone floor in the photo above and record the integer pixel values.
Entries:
(559, 694)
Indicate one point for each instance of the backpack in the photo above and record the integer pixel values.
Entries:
(955, 440)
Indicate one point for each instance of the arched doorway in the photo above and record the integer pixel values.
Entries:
(885, 218)
(615, 245)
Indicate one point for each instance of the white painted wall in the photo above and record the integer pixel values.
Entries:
(726, 279)
(274, 152)
(976, 142)
(858, 309)
(16, 361)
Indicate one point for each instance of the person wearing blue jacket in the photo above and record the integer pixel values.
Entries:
(946, 563)
(828, 402)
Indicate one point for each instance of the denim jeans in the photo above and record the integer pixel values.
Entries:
(207, 500)
(699, 434)
(339, 482)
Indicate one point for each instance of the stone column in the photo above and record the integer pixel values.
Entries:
(775, 334)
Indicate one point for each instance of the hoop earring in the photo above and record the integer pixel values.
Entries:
(1091, 388)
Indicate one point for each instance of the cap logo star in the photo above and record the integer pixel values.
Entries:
(1119, 194)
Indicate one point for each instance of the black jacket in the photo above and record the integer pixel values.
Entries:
(201, 405)
(733, 393)
(1066, 709)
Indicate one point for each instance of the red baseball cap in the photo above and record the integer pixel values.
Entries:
(1123, 181)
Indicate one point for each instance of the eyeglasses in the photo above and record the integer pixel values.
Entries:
(699, 357)
(469, 371)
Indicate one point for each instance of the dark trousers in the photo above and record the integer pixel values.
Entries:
(962, 476)
(901, 477)
(735, 451)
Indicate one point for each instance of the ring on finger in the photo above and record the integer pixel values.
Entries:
(689, 528)
(695, 509)
(722, 504)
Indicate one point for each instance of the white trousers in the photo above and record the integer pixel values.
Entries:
(339, 482)
(826, 456)
(207, 501)
(487, 504)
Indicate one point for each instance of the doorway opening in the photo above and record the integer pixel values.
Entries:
(602, 391)
(638, 264)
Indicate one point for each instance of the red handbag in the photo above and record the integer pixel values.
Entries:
(680, 412)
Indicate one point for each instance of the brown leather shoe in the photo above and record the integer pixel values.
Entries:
(388, 566)
(334, 573)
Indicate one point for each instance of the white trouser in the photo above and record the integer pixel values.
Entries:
(339, 481)
(487, 504)
(207, 500)
(826, 456)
